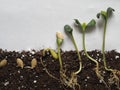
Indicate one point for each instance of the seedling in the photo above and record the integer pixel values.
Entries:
(59, 40)
(69, 31)
(105, 15)
(65, 80)
(54, 55)
(85, 27)
(52, 52)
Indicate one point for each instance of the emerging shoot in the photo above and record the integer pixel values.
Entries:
(69, 31)
(52, 52)
(59, 40)
(65, 80)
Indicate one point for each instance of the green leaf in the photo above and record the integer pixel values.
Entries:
(103, 14)
(92, 23)
(78, 24)
(68, 29)
(109, 11)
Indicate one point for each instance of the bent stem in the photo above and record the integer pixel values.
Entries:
(79, 57)
(92, 59)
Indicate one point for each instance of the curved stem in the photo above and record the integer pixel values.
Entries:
(92, 59)
(79, 57)
(60, 60)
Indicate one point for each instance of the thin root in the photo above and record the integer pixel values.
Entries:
(48, 71)
(100, 77)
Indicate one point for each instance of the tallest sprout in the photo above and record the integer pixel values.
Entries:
(69, 30)
(105, 15)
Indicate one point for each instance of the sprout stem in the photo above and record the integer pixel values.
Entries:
(84, 47)
(60, 60)
(79, 57)
(103, 47)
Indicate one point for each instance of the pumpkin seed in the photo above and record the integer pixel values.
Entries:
(3, 62)
(33, 63)
(20, 63)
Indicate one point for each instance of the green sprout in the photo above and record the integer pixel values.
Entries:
(105, 15)
(65, 80)
(52, 52)
(84, 27)
(69, 31)
(59, 40)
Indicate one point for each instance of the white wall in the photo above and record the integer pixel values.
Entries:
(32, 24)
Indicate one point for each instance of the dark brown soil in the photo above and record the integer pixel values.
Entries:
(15, 78)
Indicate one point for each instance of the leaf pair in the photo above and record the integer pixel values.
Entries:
(105, 14)
(84, 26)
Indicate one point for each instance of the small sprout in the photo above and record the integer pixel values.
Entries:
(44, 51)
(69, 30)
(33, 63)
(20, 63)
(3, 63)
(59, 40)
(52, 52)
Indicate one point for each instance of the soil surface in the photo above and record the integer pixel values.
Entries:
(13, 77)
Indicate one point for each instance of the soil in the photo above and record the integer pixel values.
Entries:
(13, 77)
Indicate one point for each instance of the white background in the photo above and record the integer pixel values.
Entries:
(32, 24)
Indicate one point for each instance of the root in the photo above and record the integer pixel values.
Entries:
(69, 82)
(100, 77)
(114, 78)
(46, 70)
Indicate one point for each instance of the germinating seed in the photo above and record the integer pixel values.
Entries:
(3, 62)
(20, 63)
(33, 63)
(54, 54)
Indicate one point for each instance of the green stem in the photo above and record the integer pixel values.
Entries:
(97, 65)
(103, 47)
(60, 60)
(79, 57)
